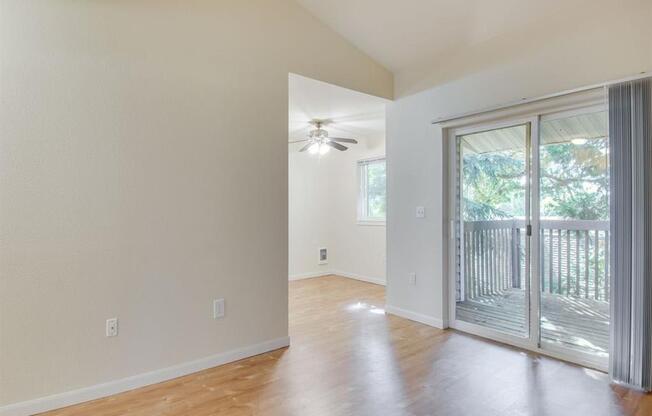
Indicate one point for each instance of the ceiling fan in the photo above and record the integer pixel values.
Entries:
(319, 142)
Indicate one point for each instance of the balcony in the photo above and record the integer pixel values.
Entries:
(574, 270)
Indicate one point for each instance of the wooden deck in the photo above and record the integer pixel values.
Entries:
(578, 323)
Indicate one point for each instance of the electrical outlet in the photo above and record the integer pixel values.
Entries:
(421, 212)
(412, 279)
(112, 327)
(218, 308)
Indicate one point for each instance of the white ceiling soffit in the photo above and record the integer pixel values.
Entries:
(586, 126)
(353, 114)
(412, 35)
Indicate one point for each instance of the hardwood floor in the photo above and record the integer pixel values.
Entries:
(349, 358)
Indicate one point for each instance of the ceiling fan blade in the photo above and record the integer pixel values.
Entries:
(336, 145)
(306, 147)
(298, 141)
(340, 139)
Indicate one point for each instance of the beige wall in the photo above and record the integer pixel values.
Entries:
(143, 172)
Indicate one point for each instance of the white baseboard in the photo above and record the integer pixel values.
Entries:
(417, 317)
(374, 280)
(97, 391)
(302, 276)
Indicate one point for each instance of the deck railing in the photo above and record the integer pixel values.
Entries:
(574, 258)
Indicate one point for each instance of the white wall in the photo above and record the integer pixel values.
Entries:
(613, 44)
(323, 213)
(143, 172)
(308, 213)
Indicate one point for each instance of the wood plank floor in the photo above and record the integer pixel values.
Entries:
(578, 323)
(349, 358)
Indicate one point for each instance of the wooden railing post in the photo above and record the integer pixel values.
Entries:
(516, 255)
(573, 259)
(606, 265)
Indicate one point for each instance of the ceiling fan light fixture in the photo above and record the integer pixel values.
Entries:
(318, 141)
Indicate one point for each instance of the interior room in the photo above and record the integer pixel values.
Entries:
(337, 195)
(325, 207)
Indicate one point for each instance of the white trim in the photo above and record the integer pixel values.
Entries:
(372, 222)
(302, 276)
(368, 279)
(532, 259)
(97, 391)
(362, 278)
(417, 317)
(362, 207)
(372, 159)
(489, 125)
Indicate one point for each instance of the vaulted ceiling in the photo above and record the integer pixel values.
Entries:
(423, 36)
(403, 34)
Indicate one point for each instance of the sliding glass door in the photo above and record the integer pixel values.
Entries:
(530, 234)
(574, 232)
(492, 289)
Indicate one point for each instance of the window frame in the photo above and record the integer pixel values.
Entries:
(363, 217)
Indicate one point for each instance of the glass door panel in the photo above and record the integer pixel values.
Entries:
(493, 204)
(574, 232)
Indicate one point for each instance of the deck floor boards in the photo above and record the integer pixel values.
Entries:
(578, 323)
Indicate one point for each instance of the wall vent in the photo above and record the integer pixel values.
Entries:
(323, 256)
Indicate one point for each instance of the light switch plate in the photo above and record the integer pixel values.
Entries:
(412, 279)
(218, 308)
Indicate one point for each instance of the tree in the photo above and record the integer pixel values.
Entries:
(574, 182)
(492, 185)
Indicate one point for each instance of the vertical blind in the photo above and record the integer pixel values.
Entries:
(630, 140)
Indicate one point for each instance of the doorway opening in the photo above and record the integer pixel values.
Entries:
(337, 182)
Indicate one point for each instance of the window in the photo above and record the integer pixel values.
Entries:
(371, 197)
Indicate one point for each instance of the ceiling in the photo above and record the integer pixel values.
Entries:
(411, 34)
(353, 114)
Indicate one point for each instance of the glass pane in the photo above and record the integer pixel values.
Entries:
(574, 232)
(491, 284)
(376, 203)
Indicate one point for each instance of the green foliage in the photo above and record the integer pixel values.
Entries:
(376, 185)
(575, 180)
(493, 187)
(574, 183)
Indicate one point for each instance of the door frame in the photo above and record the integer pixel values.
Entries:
(531, 304)
(586, 359)
(512, 117)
